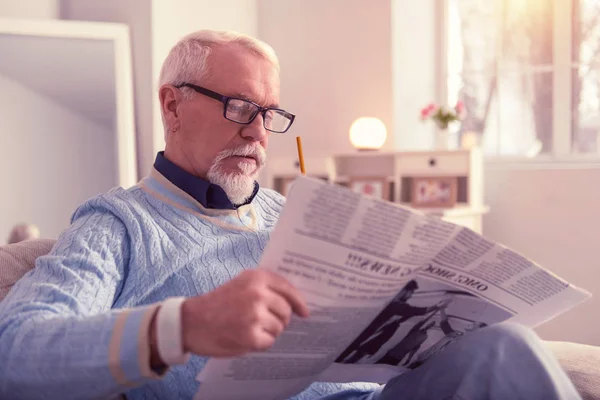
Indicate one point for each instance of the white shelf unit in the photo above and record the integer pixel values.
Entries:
(401, 167)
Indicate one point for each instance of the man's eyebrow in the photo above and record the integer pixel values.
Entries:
(249, 98)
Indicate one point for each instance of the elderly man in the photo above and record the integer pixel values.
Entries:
(149, 282)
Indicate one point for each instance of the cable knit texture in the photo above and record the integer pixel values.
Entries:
(76, 326)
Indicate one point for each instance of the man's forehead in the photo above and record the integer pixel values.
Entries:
(266, 98)
(238, 72)
(263, 93)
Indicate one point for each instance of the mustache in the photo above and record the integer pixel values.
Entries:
(248, 150)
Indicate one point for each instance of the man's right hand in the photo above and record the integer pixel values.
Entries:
(245, 314)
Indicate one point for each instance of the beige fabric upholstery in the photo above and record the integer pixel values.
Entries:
(582, 364)
(18, 258)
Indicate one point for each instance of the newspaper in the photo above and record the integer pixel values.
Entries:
(387, 288)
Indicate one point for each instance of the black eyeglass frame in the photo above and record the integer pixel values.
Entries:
(226, 99)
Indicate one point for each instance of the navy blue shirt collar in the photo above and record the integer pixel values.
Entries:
(206, 193)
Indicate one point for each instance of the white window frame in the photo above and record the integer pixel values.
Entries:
(562, 87)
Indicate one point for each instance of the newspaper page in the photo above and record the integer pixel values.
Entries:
(387, 288)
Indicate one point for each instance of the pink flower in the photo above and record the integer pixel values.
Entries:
(428, 111)
(460, 109)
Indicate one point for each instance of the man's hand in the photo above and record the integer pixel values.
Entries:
(245, 314)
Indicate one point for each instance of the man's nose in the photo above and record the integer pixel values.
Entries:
(255, 130)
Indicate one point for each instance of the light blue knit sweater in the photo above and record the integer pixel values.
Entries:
(76, 326)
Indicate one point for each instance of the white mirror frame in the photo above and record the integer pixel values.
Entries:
(119, 35)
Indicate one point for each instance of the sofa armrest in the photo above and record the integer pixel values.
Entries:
(582, 363)
(19, 258)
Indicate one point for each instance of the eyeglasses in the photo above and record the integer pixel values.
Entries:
(244, 111)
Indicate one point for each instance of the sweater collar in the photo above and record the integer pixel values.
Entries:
(208, 194)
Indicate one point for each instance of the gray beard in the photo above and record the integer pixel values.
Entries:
(238, 186)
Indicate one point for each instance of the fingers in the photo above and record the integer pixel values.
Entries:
(272, 325)
(262, 340)
(246, 314)
(262, 326)
(284, 288)
(279, 306)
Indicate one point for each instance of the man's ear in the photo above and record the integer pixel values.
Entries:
(169, 97)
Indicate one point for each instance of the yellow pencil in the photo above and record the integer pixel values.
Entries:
(300, 156)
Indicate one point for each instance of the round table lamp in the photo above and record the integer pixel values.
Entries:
(368, 133)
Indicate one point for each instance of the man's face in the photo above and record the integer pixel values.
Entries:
(203, 137)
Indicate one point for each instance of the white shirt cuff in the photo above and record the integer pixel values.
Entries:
(169, 333)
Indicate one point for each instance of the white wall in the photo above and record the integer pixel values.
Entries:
(414, 70)
(47, 148)
(335, 67)
(173, 19)
(29, 8)
(137, 15)
(552, 216)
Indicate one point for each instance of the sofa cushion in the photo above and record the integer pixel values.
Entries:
(582, 363)
(18, 258)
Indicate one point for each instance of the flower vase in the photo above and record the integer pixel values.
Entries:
(442, 138)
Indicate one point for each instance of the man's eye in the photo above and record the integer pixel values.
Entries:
(241, 108)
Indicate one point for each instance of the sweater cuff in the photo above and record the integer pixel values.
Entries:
(129, 349)
(170, 332)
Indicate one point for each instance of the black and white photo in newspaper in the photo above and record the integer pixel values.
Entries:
(424, 318)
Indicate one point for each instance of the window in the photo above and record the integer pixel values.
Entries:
(585, 79)
(528, 72)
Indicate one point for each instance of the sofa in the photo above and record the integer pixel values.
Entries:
(580, 361)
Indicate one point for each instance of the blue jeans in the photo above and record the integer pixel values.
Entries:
(504, 361)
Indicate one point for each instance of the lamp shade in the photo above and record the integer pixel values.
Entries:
(368, 133)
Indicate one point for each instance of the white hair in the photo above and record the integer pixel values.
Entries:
(188, 59)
